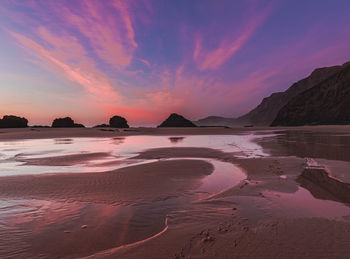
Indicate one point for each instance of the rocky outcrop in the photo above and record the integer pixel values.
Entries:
(267, 110)
(326, 103)
(66, 122)
(176, 120)
(118, 122)
(11, 121)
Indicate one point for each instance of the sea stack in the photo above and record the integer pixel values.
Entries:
(176, 120)
(118, 122)
(66, 122)
(11, 121)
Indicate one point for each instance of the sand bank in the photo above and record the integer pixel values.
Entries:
(251, 220)
(130, 185)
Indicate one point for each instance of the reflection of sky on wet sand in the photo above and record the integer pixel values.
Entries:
(303, 204)
(119, 148)
(327, 145)
(27, 224)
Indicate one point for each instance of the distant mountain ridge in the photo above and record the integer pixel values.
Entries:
(216, 121)
(265, 113)
(326, 103)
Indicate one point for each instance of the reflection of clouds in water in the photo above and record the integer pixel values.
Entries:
(118, 141)
(310, 144)
(175, 140)
(119, 148)
(107, 226)
(303, 204)
(59, 141)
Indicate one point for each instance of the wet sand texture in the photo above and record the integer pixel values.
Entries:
(242, 222)
(130, 185)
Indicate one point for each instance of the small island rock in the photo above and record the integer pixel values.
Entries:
(176, 120)
(66, 122)
(11, 121)
(118, 122)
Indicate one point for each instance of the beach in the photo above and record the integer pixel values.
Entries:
(209, 192)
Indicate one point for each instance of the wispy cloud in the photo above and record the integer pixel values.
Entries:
(111, 36)
(228, 47)
(83, 74)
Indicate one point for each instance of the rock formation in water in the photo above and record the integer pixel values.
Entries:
(66, 122)
(176, 120)
(11, 121)
(267, 110)
(326, 103)
(118, 122)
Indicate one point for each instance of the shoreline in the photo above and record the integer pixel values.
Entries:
(268, 214)
(48, 133)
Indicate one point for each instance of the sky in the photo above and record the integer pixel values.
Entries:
(144, 59)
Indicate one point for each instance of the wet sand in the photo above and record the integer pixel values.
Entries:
(281, 210)
(158, 181)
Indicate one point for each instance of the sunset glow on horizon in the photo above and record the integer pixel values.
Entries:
(146, 59)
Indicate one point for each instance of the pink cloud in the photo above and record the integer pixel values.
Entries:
(123, 9)
(86, 76)
(64, 55)
(112, 37)
(146, 62)
(213, 59)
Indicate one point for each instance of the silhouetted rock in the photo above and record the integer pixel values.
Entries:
(101, 126)
(118, 122)
(66, 122)
(267, 110)
(326, 103)
(176, 120)
(11, 121)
